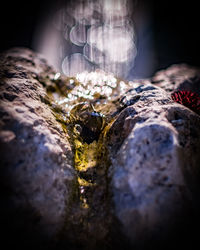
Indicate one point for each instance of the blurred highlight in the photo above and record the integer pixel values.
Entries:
(90, 35)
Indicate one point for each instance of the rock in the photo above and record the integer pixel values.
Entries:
(178, 77)
(141, 189)
(36, 158)
(154, 145)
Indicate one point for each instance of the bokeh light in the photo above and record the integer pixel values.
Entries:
(76, 63)
(93, 35)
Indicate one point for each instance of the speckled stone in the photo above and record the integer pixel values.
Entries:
(152, 186)
(178, 77)
(36, 158)
(154, 144)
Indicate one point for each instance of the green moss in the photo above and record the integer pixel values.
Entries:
(87, 125)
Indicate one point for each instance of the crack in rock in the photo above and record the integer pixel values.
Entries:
(94, 162)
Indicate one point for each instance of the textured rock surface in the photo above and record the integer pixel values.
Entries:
(155, 169)
(178, 77)
(152, 182)
(36, 158)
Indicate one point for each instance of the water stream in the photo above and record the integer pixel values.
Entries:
(87, 105)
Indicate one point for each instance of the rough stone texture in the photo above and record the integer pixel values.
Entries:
(154, 144)
(36, 158)
(178, 77)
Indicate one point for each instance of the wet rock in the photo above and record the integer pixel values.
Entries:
(154, 144)
(36, 158)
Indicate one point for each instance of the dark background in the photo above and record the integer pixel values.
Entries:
(174, 27)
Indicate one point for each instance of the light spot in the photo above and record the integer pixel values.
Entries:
(76, 63)
(57, 75)
(7, 136)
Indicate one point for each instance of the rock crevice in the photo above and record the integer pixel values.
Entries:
(92, 162)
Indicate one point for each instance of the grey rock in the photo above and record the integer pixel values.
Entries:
(154, 144)
(36, 158)
(178, 77)
(152, 183)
